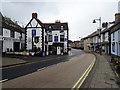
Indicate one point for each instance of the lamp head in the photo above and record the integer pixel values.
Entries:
(94, 21)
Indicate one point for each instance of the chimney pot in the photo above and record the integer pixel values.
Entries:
(57, 21)
(117, 16)
(34, 15)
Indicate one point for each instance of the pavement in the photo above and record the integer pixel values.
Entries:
(103, 75)
(11, 60)
(7, 61)
(61, 75)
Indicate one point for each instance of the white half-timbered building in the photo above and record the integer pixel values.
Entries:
(51, 38)
(34, 34)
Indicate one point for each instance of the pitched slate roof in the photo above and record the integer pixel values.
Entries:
(55, 26)
(10, 25)
(115, 27)
(36, 20)
(94, 34)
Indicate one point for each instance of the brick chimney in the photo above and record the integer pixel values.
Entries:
(117, 16)
(57, 21)
(34, 15)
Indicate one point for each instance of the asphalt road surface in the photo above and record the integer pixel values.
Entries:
(60, 72)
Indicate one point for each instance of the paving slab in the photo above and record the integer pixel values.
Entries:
(11, 61)
(104, 76)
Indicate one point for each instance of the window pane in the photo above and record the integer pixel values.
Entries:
(61, 37)
(50, 38)
(56, 38)
(12, 34)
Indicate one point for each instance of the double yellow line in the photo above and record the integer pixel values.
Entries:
(84, 76)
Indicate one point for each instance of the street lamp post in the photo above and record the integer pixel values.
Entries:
(94, 21)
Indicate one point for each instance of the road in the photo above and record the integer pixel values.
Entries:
(57, 75)
(20, 70)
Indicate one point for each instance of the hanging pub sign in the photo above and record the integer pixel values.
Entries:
(34, 32)
(36, 39)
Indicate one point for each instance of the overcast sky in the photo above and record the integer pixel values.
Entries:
(78, 13)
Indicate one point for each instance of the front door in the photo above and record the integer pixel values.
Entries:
(58, 50)
(16, 46)
(54, 50)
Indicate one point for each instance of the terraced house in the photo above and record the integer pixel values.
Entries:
(11, 35)
(110, 38)
(50, 38)
(106, 38)
(115, 36)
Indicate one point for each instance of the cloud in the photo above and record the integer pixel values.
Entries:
(78, 13)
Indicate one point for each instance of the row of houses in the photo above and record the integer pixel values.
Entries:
(50, 38)
(79, 44)
(109, 37)
(12, 35)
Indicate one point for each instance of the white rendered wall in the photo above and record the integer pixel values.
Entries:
(6, 32)
(23, 36)
(29, 37)
(65, 42)
(7, 44)
(106, 37)
(34, 23)
(17, 35)
(57, 33)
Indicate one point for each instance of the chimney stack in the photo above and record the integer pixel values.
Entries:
(117, 16)
(57, 21)
(34, 15)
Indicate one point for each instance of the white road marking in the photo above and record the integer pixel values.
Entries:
(48, 66)
(3, 80)
(41, 69)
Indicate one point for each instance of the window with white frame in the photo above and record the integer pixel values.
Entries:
(50, 38)
(55, 38)
(104, 37)
(113, 36)
(119, 35)
(61, 37)
(12, 34)
(113, 47)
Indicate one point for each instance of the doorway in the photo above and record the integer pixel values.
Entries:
(16, 46)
